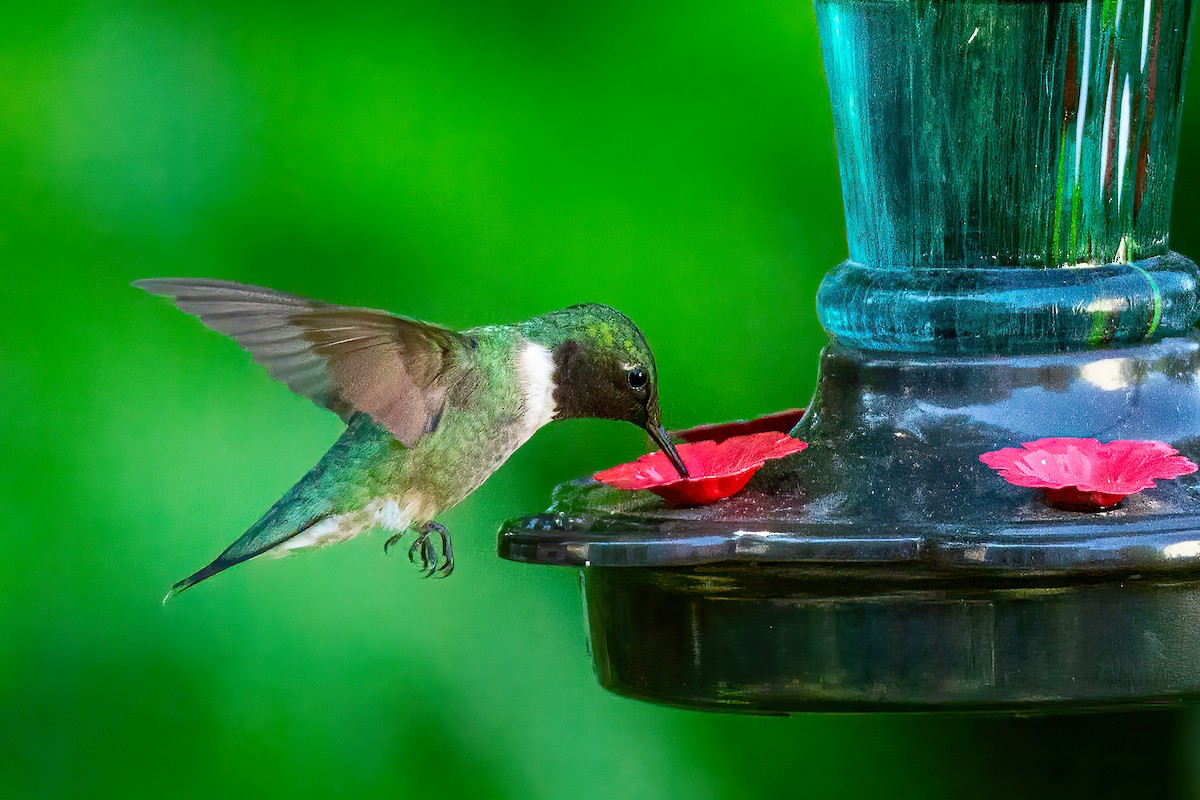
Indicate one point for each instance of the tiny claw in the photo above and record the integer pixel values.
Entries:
(423, 549)
(429, 557)
(424, 555)
(447, 565)
(447, 554)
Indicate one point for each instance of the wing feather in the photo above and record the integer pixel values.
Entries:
(343, 358)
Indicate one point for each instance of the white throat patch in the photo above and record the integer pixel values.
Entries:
(535, 366)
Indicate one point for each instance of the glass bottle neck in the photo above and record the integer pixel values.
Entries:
(999, 133)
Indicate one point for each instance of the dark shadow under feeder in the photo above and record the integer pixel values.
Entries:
(989, 300)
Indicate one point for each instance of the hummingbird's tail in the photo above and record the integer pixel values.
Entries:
(320, 496)
(197, 576)
(285, 520)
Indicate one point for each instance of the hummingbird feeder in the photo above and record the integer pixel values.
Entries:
(1007, 170)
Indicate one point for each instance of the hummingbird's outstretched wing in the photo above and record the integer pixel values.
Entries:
(345, 359)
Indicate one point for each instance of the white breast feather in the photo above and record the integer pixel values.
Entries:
(535, 367)
(384, 512)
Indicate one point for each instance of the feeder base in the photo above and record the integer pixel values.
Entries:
(776, 639)
(885, 567)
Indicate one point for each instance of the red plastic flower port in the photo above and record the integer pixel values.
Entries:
(717, 469)
(1085, 475)
(780, 421)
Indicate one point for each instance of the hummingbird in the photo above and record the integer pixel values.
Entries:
(430, 412)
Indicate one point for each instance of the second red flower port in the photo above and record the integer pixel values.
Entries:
(1085, 474)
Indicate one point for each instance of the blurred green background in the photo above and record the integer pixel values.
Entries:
(465, 162)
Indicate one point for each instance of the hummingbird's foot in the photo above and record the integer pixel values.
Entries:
(447, 565)
(423, 553)
(423, 548)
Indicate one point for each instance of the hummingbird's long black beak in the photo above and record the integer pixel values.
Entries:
(660, 437)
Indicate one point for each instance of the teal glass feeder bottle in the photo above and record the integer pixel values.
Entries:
(1007, 170)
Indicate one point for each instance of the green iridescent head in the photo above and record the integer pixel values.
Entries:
(603, 368)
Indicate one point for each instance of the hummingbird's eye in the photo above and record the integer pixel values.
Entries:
(637, 379)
